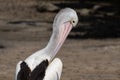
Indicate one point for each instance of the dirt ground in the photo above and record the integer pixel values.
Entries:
(89, 53)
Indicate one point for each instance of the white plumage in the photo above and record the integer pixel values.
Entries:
(54, 69)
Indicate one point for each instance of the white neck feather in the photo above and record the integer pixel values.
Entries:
(52, 44)
(46, 53)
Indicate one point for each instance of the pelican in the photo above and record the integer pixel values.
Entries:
(42, 65)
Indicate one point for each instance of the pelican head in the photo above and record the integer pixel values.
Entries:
(64, 21)
(64, 16)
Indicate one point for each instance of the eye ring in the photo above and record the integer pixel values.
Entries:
(73, 21)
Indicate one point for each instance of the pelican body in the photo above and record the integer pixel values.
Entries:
(42, 65)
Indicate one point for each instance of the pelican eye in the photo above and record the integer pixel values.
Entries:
(73, 21)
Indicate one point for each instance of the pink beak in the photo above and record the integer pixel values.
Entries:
(63, 33)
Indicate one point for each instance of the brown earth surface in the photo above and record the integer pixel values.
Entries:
(87, 54)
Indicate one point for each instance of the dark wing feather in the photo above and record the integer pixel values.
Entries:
(24, 72)
(39, 72)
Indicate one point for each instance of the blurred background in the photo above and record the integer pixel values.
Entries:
(91, 51)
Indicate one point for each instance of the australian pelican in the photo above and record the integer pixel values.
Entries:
(41, 65)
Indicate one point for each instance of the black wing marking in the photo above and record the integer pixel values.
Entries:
(24, 72)
(39, 72)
